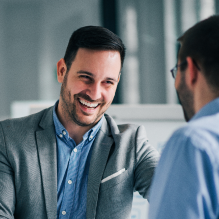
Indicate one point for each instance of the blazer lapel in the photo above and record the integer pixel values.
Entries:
(100, 152)
(46, 143)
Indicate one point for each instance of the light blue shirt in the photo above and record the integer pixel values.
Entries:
(73, 168)
(186, 181)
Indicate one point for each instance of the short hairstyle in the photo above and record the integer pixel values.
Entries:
(93, 37)
(201, 43)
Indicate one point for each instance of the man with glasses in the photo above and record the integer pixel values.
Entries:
(186, 182)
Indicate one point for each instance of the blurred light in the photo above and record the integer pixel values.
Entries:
(189, 16)
(131, 30)
(207, 8)
(131, 92)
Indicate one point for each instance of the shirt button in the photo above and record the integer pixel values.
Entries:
(60, 135)
(69, 182)
(63, 212)
(64, 132)
(75, 150)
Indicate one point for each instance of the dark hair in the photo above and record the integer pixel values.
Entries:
(201, 43)
(93, 37)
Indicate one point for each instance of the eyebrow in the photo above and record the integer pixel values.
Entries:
(85, 72)
(92, 75)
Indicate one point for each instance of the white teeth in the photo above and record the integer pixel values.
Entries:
(88, 104)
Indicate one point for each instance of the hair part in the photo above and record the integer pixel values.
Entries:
(93, 37)
(201, 43)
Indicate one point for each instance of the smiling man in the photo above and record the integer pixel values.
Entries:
(72, 160)
(87, 88)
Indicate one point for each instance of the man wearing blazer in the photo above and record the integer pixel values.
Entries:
(72, 160)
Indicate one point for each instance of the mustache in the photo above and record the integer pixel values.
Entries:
(86, 97)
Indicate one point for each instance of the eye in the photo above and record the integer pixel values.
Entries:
(86, 78)
(109, 82)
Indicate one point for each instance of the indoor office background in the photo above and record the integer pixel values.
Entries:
(34, 35)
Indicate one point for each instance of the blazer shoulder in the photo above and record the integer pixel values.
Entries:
(28, 122)
(122, 128)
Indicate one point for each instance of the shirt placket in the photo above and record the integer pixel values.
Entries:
(71, 182)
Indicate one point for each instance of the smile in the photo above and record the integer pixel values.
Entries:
(88, 104)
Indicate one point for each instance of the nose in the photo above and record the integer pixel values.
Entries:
(95, 91)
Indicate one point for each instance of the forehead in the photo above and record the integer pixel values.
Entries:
(97, 57)
(97, 60)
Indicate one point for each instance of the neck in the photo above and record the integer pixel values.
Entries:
(75, 131)
(203, 94)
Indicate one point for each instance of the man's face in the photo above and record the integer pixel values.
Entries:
(185, 95)
(89, 87)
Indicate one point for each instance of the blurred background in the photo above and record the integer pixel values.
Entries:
(34, 35)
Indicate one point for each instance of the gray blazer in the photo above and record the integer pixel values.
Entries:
(122, 162)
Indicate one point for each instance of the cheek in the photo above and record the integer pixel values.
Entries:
(75, 88)
(177, 80)
(109, 95)
(175, 84)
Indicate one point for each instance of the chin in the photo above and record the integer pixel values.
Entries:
(85, 121)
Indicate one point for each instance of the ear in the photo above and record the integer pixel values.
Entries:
(61, 70)
(119, 77)
(192, 71)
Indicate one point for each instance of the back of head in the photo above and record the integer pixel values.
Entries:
(201, 43)
(93, 37)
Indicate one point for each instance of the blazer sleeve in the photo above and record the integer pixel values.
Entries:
(146, 160)
(7, 188)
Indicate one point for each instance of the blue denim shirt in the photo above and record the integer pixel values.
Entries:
(73, 168)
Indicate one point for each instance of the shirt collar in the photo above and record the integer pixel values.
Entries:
(60, 129)
(209, 109)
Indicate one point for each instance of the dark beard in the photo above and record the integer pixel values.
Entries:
(183, 108)
(70, 107)
(186, 99)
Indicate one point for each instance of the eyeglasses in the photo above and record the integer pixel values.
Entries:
(174, 70)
